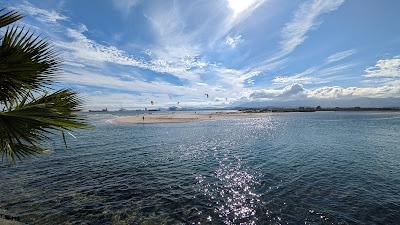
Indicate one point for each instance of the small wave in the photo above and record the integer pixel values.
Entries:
(103, 118)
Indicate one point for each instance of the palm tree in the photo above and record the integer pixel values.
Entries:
(29, 114)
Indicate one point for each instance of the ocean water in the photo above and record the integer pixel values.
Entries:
(291, 168)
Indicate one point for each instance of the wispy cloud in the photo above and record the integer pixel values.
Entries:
(240, 12)
(295, 32)
(305, 19)
(239, 6)
(295, 79)
(340, 55)
(233, 41)
(48, 16)
(96, 79)
(333, 71)
(187, 52)
(315, 75)
(124, 6)
(82, 49)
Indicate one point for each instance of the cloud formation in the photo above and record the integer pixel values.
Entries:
(384, 68)
(233, 41)
(188, 51)
(298, 92)
(125, 6)
(46, 16)
(340, 55)
(305, 19)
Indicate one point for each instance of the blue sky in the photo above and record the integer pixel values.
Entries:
(126, 53)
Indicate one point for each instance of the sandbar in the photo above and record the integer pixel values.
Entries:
(183, 117)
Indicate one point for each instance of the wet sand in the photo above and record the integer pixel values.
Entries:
(183, 117)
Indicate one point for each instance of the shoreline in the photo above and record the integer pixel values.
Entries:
(183, 117)
(186, 117)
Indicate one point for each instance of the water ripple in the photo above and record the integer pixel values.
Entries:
(315, 168)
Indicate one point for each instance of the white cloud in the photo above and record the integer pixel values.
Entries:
(233, 41)
(83, 53)
(337, 92)
(49, 16)
(340, 55)
(293, 90)
(389, 68)
(85, 49)
(182, 45)
(315, 75)
(179, 48)
(95, 79)
(305, 19)
(332, 70)
(125, 6)
(82, 28)
(298, 92)
(175, 48)
(294, 33)
(82, 49)
(295, 79)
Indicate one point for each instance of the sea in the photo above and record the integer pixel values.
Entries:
(282, 168)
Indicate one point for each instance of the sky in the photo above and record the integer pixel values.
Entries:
(127, 53)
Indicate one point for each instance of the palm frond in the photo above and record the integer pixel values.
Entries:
(7, 18)
(27, 63)
(24, 128)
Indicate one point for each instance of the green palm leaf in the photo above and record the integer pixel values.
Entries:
(29, 123)
(28, 66)
(8, 17)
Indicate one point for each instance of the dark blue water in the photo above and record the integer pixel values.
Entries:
(294, 168)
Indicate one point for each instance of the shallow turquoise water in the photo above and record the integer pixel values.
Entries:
(293, 168)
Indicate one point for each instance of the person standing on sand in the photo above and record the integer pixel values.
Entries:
(143, 118)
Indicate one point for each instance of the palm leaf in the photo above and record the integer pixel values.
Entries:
(27, 63)
(28, 124)
(7, 18)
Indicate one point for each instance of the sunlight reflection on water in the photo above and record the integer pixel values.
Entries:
(230, 190)
(232, 193)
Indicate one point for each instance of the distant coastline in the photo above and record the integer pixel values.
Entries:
(259, 109)
(318, 108)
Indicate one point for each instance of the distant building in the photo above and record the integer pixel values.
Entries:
(102, 110)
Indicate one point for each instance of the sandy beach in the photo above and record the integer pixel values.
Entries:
(183, 117)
